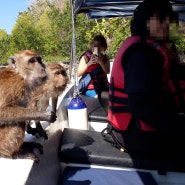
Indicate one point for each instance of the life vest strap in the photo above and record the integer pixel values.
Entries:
(113, 88)
(119, 109)
(118, 100)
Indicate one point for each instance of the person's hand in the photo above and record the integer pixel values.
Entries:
(99, 61)
(93, 60)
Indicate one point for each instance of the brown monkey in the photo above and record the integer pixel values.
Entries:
(16, 86)
(54, 86)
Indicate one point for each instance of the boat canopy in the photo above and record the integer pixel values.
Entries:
(95, 9)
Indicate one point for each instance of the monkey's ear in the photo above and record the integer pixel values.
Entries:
(12, 61)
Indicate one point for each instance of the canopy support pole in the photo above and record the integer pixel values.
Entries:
(73, 50)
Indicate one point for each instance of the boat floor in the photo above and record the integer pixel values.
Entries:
(79, 174)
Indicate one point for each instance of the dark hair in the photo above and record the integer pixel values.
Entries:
(102, 39)
(145, 10)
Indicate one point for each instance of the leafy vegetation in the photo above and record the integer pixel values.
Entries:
(46, 27)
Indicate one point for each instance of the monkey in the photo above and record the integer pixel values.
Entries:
(17, 84)
(54, 86)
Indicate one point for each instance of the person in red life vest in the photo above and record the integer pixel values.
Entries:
(95, 62)
(143, 113)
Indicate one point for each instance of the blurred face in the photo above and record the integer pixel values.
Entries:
(158, 29)
(97, 48)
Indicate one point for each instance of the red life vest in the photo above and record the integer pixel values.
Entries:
(118, 113)
(101, 77)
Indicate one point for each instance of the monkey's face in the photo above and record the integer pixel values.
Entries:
(29, 65)
(57, 75)
(37, 67)
(36, 70)
(61, 78)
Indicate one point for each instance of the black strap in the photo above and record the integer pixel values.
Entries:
(180, 94)
(118, 100)
(109, 137)
(113, 88)
(119, 109)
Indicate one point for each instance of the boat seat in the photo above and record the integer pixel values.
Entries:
(89, 147)
(96, 112)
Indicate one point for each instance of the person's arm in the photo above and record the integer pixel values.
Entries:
(105, 65)
(143, 83)
(84, 64)
(82, 67)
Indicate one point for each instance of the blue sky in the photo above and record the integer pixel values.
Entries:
(9, 10)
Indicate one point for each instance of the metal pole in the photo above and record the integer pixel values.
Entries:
(74, 58)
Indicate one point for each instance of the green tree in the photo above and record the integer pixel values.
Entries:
(115, 31)
(4, 46)
(26, 35)
(47, 28)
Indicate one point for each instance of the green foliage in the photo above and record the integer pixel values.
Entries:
(178, 35)
(83, 27)
(64, 32)
(4, 47)
(180, 44)
(115, 31)
(25, 35)
(47, 29)
(3, 34)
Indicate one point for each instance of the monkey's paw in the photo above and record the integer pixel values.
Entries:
(27, 151)
(38, 132)
(26, 155)
(51, 116)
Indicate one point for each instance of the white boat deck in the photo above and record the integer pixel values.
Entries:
(24, 171)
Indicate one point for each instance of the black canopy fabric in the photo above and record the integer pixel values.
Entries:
(117, 8)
